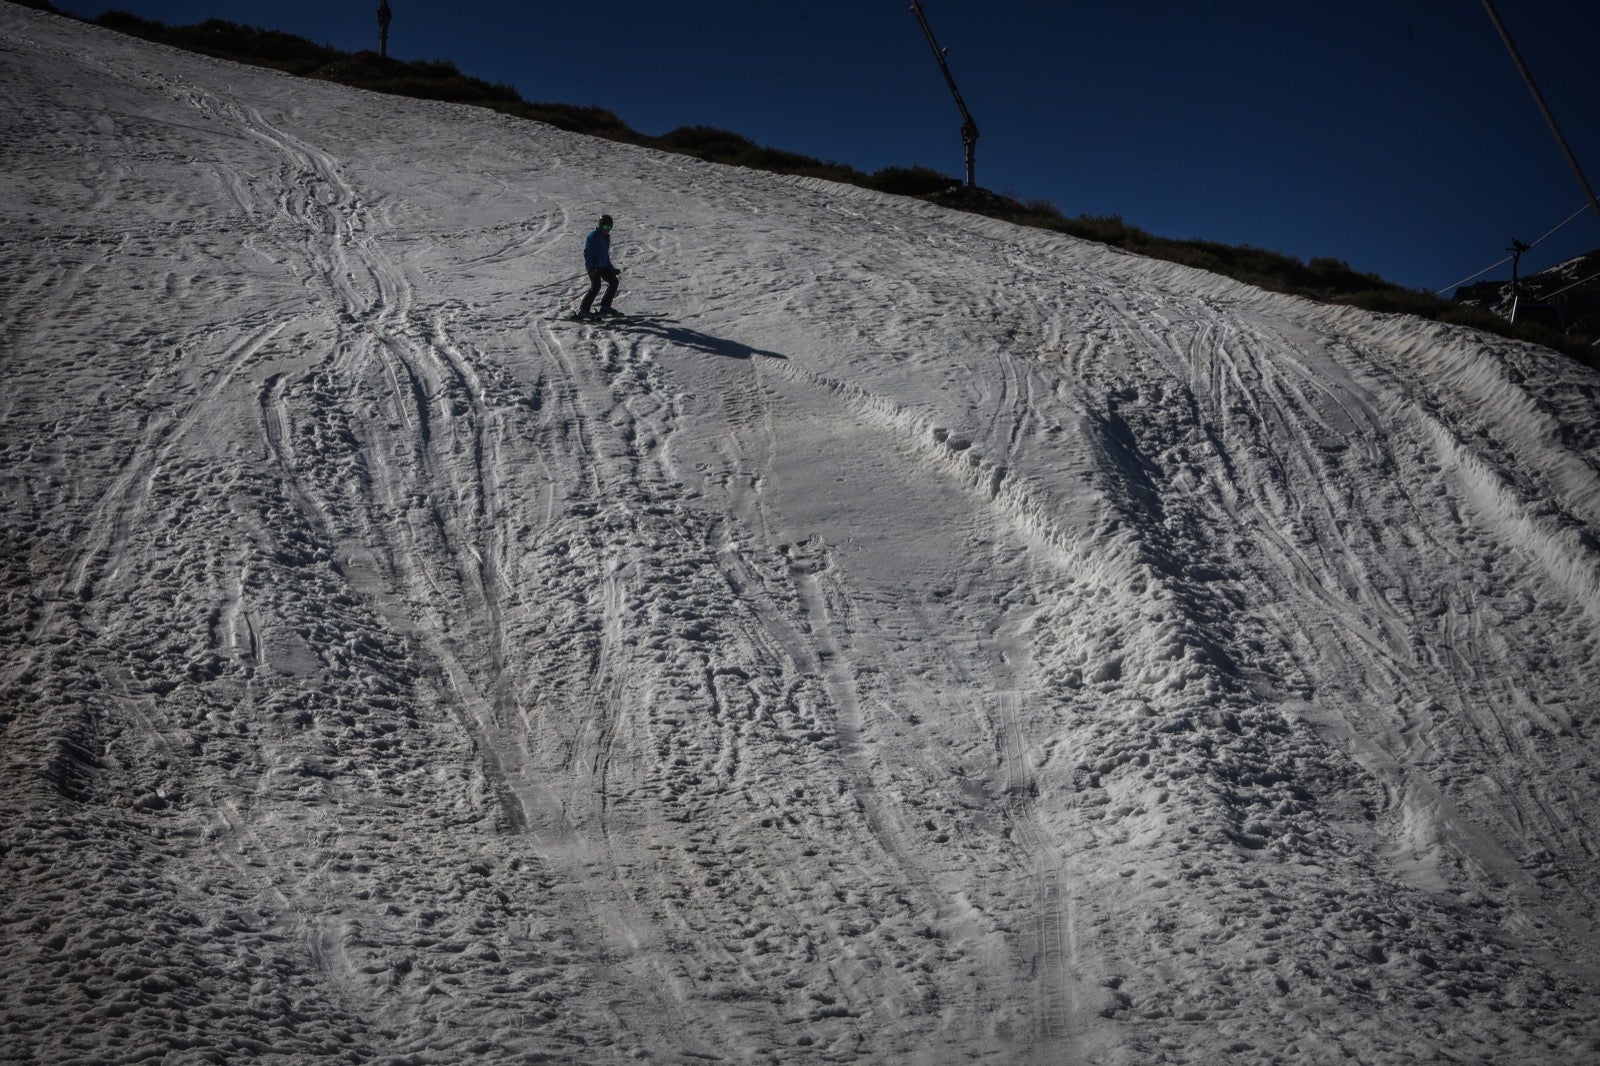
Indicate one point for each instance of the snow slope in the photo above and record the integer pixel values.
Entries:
(931, 642)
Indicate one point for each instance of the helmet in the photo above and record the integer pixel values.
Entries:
(605, 221)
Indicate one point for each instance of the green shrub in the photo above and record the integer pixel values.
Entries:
(593, 121)
(910, 181)
(723, 146)
(704, 142)
(131, 24)
(263, 48)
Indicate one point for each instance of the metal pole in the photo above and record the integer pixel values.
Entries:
(969, 127)
(1538, 98)
(1516, 250)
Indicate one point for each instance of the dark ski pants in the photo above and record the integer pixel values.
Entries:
(608, 275)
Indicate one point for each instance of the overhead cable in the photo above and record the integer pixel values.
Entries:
(1552, 233)
(1544, 108)
(1569, 288)
(1495, 266)
(1475, 277)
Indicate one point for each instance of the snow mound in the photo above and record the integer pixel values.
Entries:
(915, 640)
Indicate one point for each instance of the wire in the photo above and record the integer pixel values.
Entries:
(1440, 292)
(1544, 108)
(1569, 288)
(1552, 233)
(1507, 259)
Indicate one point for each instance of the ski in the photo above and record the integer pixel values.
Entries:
(642, 316)
(615, 317)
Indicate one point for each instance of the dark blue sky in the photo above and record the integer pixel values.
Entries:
(1394, 134)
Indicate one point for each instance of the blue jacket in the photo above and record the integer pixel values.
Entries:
(597, 251)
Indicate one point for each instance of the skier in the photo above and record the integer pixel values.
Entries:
(597, 262)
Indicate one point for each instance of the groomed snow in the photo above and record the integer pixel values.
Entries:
(928, 641)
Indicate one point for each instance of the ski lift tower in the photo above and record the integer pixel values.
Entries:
(969, 128)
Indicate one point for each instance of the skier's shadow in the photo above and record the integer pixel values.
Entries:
(696, 341)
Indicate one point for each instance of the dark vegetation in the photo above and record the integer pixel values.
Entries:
(1328, 280)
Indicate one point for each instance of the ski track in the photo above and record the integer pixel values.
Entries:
(933, 642)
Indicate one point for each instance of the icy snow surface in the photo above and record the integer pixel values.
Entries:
(926, 641)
